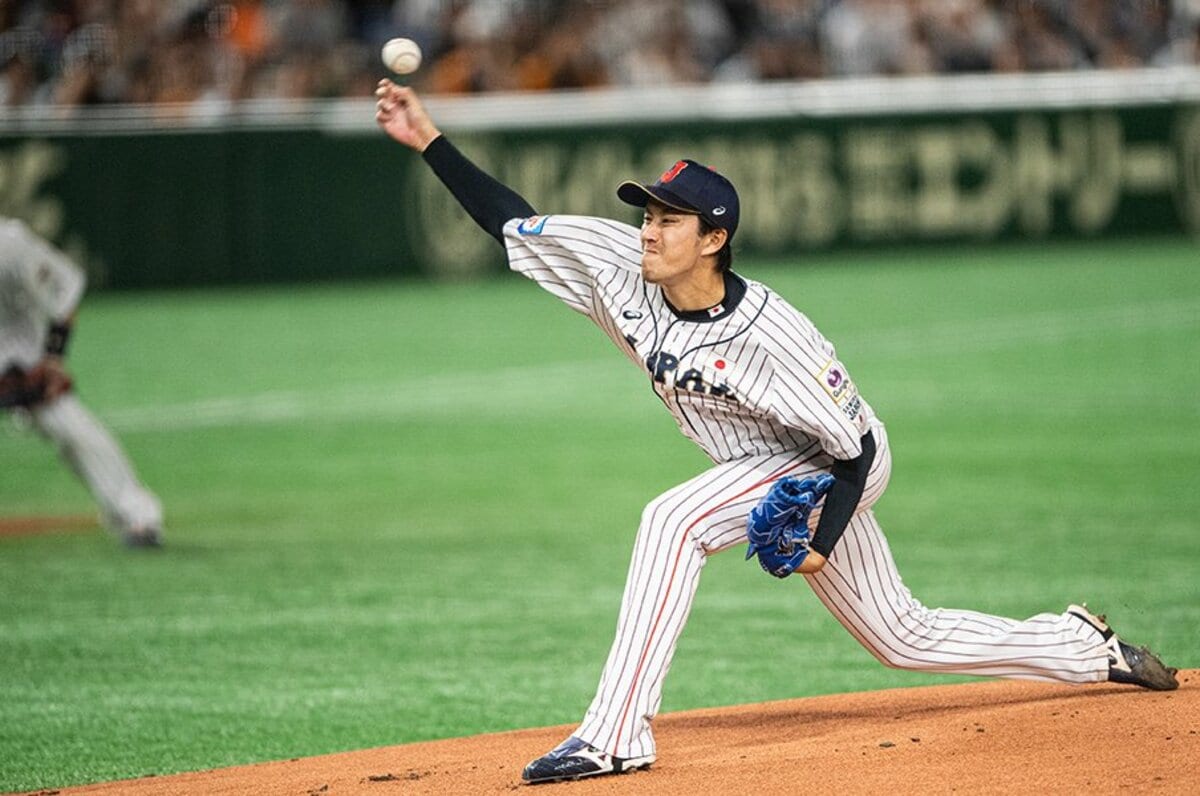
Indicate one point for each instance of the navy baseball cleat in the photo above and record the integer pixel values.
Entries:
(576, 759)
(1128, 664)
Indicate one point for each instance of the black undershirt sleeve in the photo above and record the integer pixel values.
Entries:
(488, 201)
(850, 477)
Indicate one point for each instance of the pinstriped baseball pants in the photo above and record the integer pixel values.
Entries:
(859, 585)
(92, 453)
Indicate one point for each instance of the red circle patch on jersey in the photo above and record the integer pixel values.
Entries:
(719, 364)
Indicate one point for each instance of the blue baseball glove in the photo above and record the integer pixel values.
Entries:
(778, 526)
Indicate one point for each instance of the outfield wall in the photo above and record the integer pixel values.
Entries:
(283, 192)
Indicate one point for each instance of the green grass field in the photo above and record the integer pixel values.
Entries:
(403, 511)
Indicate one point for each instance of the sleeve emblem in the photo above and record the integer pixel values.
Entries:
(841, 389)
(532, 225)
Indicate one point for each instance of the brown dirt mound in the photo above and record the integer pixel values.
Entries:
(29, 526)
(987, 737)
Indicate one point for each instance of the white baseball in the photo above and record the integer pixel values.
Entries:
(402, 56)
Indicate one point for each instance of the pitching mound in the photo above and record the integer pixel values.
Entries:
(993, 737)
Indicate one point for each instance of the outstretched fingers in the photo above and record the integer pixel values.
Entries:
(400, 113)
(387, 99)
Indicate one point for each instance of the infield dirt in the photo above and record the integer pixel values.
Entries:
(986, 737)
(33, 525)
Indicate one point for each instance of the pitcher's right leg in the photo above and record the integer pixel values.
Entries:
(862, 589)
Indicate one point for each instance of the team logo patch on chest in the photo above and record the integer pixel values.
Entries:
(719, 366)
(704, 376)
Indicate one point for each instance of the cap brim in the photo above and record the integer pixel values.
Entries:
(636, 194)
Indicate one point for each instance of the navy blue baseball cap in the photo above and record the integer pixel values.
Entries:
(692, 188)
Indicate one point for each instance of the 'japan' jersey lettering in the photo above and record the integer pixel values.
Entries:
(756, 378)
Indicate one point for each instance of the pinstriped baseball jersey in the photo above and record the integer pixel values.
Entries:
(749, 377)
(38, 284)
(764, 394)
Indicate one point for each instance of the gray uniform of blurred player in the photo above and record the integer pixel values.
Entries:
(40, 288)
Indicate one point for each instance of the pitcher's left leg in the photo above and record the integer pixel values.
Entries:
(679, 529)
(664, 572)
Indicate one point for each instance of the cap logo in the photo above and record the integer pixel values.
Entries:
(718, 211)
(673, 172)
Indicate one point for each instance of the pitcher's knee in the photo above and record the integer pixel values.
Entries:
(664, 519)
(894, 658)
(906, 644)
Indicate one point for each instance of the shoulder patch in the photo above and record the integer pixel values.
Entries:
(532, 225)
(842, 390)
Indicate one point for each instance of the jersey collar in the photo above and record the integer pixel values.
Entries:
(735, 289)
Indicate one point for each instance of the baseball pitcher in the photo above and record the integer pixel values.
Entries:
(799, 455)
(40, 289)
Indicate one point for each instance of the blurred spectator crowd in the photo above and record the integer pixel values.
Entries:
(87, 52)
